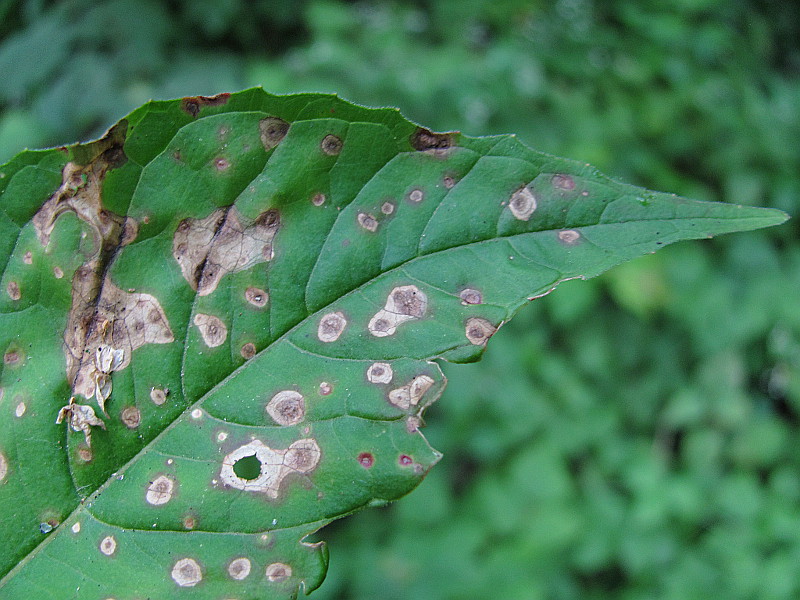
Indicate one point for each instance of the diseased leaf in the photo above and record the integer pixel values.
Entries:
(232, 305)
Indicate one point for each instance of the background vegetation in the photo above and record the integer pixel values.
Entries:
(634, 436)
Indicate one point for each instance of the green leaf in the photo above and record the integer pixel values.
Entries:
(244, 296)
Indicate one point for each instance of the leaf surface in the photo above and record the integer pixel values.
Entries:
(249, 291)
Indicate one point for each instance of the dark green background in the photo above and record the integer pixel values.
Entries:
(634, 436)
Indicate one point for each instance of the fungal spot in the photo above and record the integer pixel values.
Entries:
(27, 258)
(223, 242)
(448, 182)
(470, 296)
(160, 490)
(570, 237)
(318, 199)
(108, 545)
(256, 296)
(387, 208)
(103, 331)
(212, 329)
(331, 145)
(287, 407)
(189, 522)
(193, 104)
(410, 394)
(58, 273)
(272, 130)
(187, 573)
(239, 568)
(197, 413)
(302, 456)
(413, 424)
(76, 527)
(277, 572)
(404, 303)
(131, 417)
(85, 454)
(405, 460)
(416, 196)
(158, 395)
(367, 221)
(366, 460)
(325, 388)
(425, 140)
(563, 182)
(248, 351)
(380, 373)
(479, 330)
(522, 203)
(331, 327)
(12, 357)
(222, 436)
(20, 409)
(12, 289)
(221, 164)
(3, 467)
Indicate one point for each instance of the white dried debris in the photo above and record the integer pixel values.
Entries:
(380, 372)
(404, 303)
(160, 490)
(187, 572)
(410, 394)
(470, 296)
(212, 329)
(223, 242)
(522, 203)
(331, 326)
(80, 417)
(302, 456)
(20, 409)
(287, 407)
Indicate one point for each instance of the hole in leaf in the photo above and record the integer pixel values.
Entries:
(247, 467)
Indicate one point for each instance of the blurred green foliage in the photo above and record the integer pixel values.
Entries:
(634, 436)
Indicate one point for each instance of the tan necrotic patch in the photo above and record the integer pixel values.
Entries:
(570, 237)
(416, 196)
(13, 291)
(410, 394)
(187, 572)
(277, 572)
(380, 372)
(158, 395)
(331, 145)
(223, 242)
(479, 330)
(272, 131)
(404, 303)
(287, 407)
(239, 568)
(160, 491)
(108, 545)
(470, 296)
(256, 296)
(212, 329)
(387, 208)
(248, 350)
(368, 222)
(563, 182)
(318, 199)
(522, 203)
(131, 417)
(302, 456)
(331, 326)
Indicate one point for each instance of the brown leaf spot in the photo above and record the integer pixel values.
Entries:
(85, 454)
(331, 145)
(331, 327)
(563, 182)
(256, 296)
(325, 388)
(404, 303)
(380, 372)
(12, 357)
(28, 258)
(239, 568)
(131, 417)
(189, 522)
(410, 394)
(387, 208)
(405, 460)
(367, 221)
(287, 407)
(108, 545)
(318, 199)
(58, 273)
(187, 572)
(221, 164)
(416, 196)
(425, 140)
(272, 131)
(212, 329)
(193, 104)
(12, 289)
(470, 296)
(277, 572)
(248, 351)
(522, 203)
(158, 395)
(569, 237)
(366, 460)
(479, 330)
(160, 490)
(449, 182)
